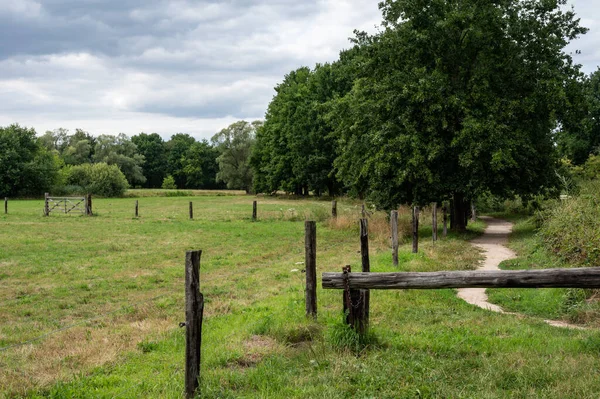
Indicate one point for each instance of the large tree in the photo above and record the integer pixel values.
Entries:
(177, 148)
(234, 144)
(458, 97)
(26, 167)
(152, 147)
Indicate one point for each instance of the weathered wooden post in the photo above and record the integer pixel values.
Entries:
(6, 205)
(363, 212)
(46, 207)
(353, 309)
(394, 225)
(334, 209)
(434, 223)
(254, 206)
(191, 210)
(194, 309)
(415, 230)
(366, 267)
(310, 263)
(445, 232)
(89, 205)
(136, 208)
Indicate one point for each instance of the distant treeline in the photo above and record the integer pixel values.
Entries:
(68, 163)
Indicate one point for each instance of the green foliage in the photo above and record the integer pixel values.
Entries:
(121, 151)
(99, 179)
(295, 149)
(169, 183)
(200, 166)
(152, 148)
(177, 149)
(460, 99)
(26, 168)
(572, 228)
(234, 144)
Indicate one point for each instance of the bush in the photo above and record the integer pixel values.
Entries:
(98, 179)
(169, 183)
(572, 228)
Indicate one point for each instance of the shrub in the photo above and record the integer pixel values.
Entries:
(169, 183)
(572, 228)
(98, 179)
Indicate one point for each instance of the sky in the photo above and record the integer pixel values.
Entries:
(170, 66)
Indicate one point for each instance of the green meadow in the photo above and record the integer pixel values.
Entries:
(90, 307)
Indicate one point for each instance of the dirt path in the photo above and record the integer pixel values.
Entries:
(493, 242)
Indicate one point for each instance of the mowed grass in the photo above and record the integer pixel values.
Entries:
(99, 299)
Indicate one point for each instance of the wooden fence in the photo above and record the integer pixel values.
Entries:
(352, 283)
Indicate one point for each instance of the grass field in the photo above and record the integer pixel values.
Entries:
(90, 306)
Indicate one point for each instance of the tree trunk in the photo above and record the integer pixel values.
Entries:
(459, 212)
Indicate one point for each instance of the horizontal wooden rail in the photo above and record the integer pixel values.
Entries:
(585, 277)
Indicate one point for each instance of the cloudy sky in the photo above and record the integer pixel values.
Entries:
(110, 66)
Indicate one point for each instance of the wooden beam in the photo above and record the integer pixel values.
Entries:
(585, 277)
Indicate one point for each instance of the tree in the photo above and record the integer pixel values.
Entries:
(152, 147)
(457, 98)
(98, 179)
(200, 166)
(121, 151)
(26, 168)
(234, 144)
(177, 149)
(579, 135)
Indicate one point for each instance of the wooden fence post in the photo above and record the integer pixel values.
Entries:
(254, 206)
(136, 208)
(46, 207)
(352, 305)
(445, 232)
(194, 309)
(394, 223)
(434, 224)
(310, 263)
(366, 267)
(6, 205)
(89, 205)
(415, 228)
(191, 211)
(334, 209)
(363, 211)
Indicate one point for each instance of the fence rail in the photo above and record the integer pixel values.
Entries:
(584, 277)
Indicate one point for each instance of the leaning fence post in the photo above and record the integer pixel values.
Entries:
(394, 225)
(254, 210)
(415, 232)
(136, 208)
(366, 268)
(434, 224)
(334, 209)
(6, 205)
(46, 207)
(194, 308)
(191, 210)
(310, 263)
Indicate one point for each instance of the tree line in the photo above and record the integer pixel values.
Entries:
(69, 163)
